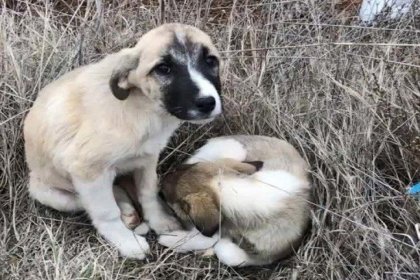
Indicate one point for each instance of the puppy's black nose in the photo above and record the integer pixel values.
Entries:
(205, 104)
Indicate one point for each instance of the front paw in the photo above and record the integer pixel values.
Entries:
(164, 223)
(128, 244)
(134, 248)
(184, 241)
(174, 239)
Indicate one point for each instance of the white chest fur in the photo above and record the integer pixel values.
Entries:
(158, 139)
(154, 141)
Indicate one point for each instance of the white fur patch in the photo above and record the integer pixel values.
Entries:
(230, 254)
(129, 244)
(180, 35)
(184, 241)
(219, 148)
(206, 89)
(370, 9)
(257, 195)
(142, 229)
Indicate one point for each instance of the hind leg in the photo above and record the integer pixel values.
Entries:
(125, 195)
(58, 199)
(129, 215)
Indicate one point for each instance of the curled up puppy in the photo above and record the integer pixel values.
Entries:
(247, 197)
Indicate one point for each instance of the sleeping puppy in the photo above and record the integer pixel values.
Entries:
(114, 117)
(245, 196)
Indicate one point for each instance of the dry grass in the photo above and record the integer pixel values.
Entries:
(347, 96)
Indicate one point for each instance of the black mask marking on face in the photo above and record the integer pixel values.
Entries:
(180, 92)
(208, 66)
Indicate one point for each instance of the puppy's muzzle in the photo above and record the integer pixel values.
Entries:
(205, 105)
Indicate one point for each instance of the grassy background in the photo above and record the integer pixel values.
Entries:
(346, 95)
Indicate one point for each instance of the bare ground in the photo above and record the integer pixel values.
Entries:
(346, 95)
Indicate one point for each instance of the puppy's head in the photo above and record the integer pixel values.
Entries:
(191, 191)
(175, 65)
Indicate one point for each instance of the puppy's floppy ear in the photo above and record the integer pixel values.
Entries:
(203, 212)
(257, 164)
(119, 83)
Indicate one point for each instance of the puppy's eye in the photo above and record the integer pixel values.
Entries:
(212, 61)
(163, 69)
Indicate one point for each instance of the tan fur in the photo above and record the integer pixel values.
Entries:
(264, 238)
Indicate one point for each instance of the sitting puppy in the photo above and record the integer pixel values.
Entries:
(113, 117)
(253, 190)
